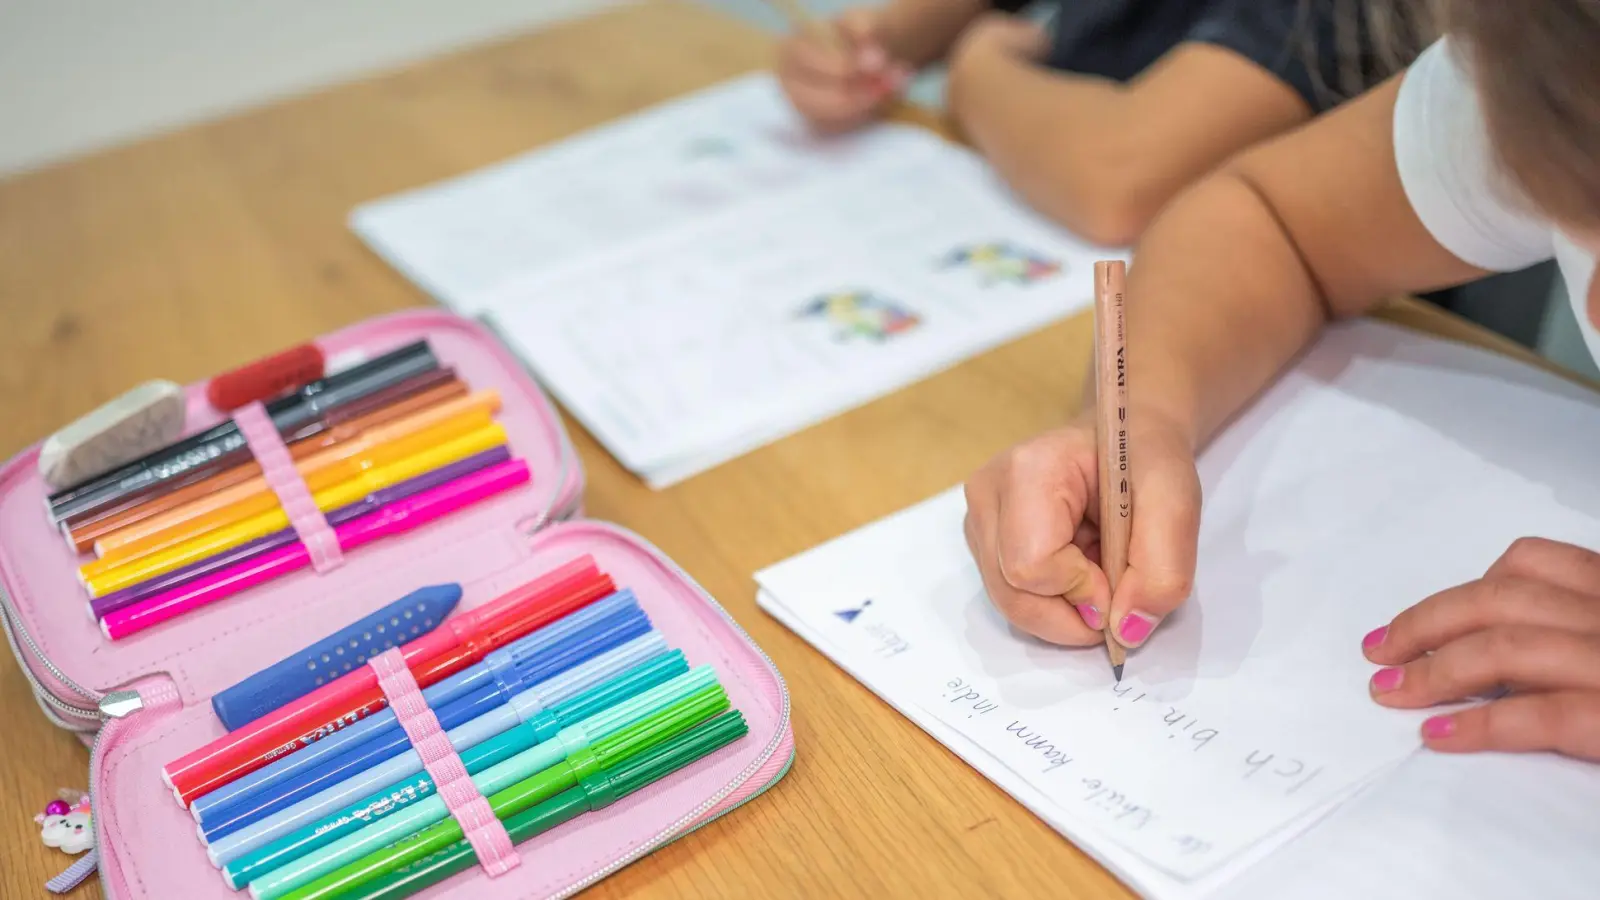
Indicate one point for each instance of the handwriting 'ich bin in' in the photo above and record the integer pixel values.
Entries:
(1271, 770)
(1177, 723)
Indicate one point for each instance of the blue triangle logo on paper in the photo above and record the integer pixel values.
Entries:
(849, 615)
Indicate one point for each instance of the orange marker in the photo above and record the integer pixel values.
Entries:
(341, 462)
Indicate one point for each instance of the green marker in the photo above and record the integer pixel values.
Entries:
(550, 779)
(618, 782)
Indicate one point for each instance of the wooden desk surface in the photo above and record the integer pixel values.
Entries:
(189, 253)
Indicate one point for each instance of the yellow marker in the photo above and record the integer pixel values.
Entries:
(341, 462)
(120, 576)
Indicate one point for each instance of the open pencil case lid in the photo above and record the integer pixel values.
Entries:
(148, 695)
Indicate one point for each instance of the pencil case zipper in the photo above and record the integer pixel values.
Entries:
(110, 709)
(89, 718)
(118, 710)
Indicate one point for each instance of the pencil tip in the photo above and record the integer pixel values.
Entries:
(1117, 671)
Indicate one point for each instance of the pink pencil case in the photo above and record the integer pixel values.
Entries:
(145, 700)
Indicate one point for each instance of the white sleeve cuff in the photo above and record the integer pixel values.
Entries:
(1446, 166)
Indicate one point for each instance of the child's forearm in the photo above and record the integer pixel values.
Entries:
(919, 32)
(1101, 157)
(1219, 303)
(1240, 272)
(1042, 131)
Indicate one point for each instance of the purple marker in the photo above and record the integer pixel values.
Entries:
(101, 606)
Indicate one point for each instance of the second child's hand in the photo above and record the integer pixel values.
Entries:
(839, 75)
(1530, 624)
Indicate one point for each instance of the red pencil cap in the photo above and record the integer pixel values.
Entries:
(266, 378)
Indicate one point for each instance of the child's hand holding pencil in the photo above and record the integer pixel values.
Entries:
(1037, 520)
(839, 74)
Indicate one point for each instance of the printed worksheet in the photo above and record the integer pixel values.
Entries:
(733, 143)
(1384, 467)
(766, 318)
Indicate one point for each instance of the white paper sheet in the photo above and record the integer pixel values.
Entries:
(732, 143)
(1384, 467)
(760, 320)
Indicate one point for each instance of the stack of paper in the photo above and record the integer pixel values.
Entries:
(1384, 467)
(706, 277)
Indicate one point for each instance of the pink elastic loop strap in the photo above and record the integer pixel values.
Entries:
(278, 468)
(466, 803)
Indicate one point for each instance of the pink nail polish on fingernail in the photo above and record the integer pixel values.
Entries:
(1092, 617)
(1374, 638)
(1135, 628)
(1438, 727)
(1387, 680)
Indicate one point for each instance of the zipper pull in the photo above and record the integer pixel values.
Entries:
(115, 705)
(120, 704)
(75, 874)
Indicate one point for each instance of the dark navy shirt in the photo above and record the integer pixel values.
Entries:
(1302, 42)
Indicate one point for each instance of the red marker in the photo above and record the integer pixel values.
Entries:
(456, 644)
(266, 378)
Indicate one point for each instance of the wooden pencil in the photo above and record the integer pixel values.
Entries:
(1111, 432)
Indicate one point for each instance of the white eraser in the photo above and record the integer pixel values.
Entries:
(344, 359)
(143, 420)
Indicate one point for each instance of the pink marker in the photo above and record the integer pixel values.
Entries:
(397, 517)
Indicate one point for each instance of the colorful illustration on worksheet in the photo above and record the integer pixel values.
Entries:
(1001, 262)
(854, 314)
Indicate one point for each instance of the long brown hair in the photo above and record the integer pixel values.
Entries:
(1536, 68)
(1370, 41)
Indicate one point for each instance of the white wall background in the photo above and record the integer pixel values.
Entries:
(78, 75)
